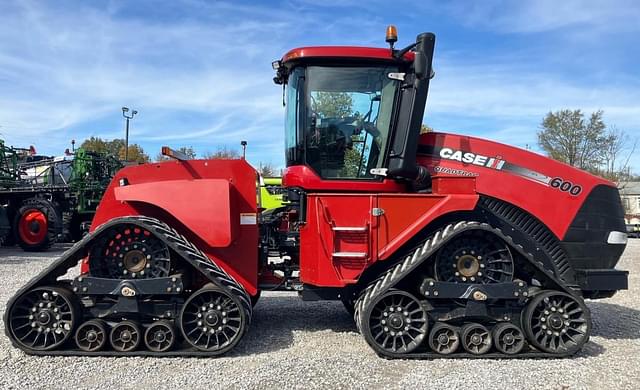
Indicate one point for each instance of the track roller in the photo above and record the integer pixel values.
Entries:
(212, 320)
(444, 338)
(508, 338)
(160, 336)
(43, 318)
(397, 323)
(92, 335)
(476, 339)
(556, 322)
(125, 336)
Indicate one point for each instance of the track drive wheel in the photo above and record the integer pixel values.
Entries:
(475, 257)
(508, 338)
(92, 335)
(125, 336)
(395, 323)
(476, 339)
(43, 318)
(212, 320)
(160, 336)
(444, 339)
(37, 225)
(556, 322)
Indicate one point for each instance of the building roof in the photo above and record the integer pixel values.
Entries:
(629, 188)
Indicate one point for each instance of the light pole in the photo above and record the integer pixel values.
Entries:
(244, 149)
(126, 131)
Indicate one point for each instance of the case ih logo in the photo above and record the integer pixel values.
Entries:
(472, 158)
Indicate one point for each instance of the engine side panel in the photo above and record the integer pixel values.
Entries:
(528, 180)
(220, 219)
(580, 209)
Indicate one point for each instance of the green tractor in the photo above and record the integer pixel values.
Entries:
(48, 199)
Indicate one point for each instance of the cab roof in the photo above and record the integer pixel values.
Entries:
(343, 52)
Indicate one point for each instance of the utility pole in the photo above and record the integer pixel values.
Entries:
(126, 131)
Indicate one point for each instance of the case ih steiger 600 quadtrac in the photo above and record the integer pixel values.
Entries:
(440, 244)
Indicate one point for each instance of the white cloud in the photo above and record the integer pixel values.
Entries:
(199, 72)
(547, 15)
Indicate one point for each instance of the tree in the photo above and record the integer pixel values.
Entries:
(223, 152)
(332, 104)
(267, 170)
(188, 150)
(566, 136)
(115, 147)
(136, 154)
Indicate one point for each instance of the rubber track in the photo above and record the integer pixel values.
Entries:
(174, 240)
(424, 251)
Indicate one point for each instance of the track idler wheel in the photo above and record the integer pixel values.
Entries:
(397, 323)
(444, 339)
(125, 336)
(212, 320)
(129, 252)
(556, 322)
(160, 336)
(92, 335)
(43, 318)
(476, 339)
(508, 338)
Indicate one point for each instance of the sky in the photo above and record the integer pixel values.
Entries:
(199, 72)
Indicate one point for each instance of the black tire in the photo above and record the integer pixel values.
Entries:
(37, 224)
(396, 323)
(508, 338)
(125, 336)
(92, 335)
(476, 339)
(5, 226)
(444, 339)
(44, 318)
(160, 336)
(556, 322)
(213, 320)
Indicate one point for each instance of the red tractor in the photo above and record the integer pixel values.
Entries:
(440, 244)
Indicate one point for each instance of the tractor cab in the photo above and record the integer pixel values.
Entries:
(353, 114)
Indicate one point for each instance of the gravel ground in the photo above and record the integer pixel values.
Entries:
(297, 344)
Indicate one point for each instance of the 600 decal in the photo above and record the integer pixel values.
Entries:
(565, 186)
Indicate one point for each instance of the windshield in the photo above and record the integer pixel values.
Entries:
(346, 118)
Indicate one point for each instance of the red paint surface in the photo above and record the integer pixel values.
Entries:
(305, 177)
(217, 220)
(554, 208)
(404, 216)
(375, 53)
(195, 212)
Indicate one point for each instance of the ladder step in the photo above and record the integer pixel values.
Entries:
(351, 255)
(349, 229)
